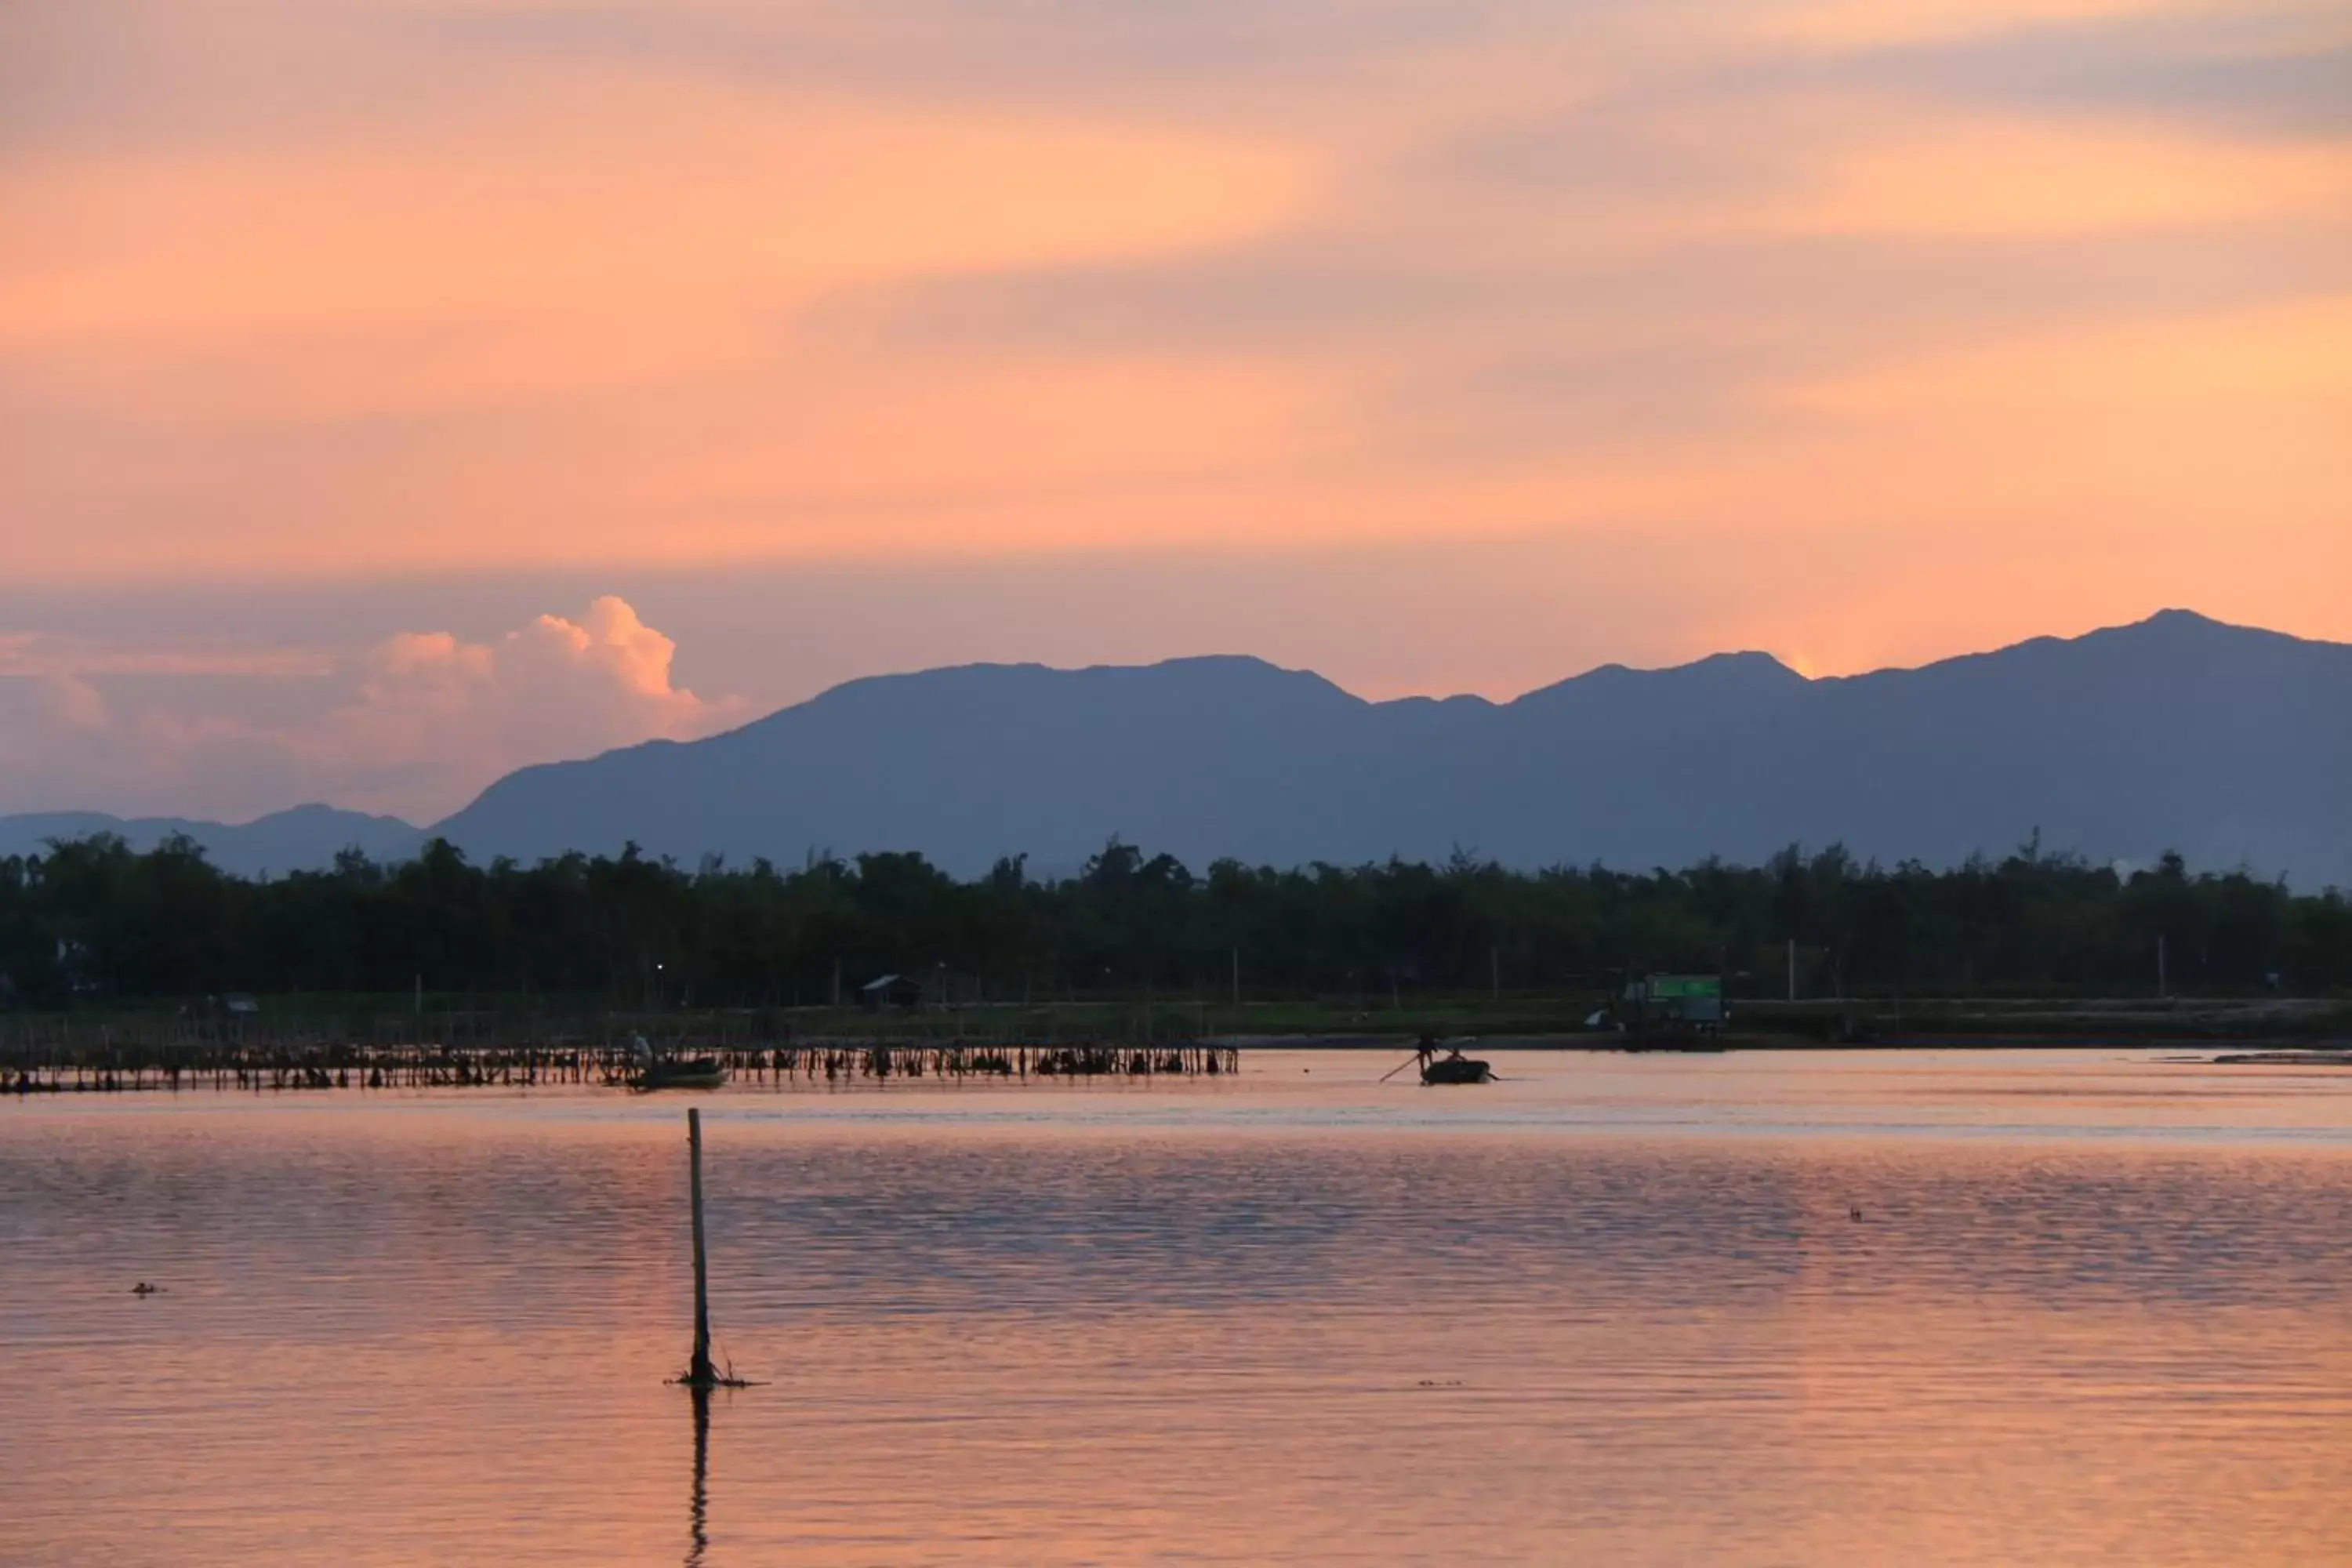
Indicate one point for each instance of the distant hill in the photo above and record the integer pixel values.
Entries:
(306, 839)
(2228, 743)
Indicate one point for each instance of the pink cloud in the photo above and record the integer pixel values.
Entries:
(450, 715)
(414, 725)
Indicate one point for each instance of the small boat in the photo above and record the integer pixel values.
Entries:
(1450, 1068)
(682, 1072)
(1455, 1067)
(691, 1072)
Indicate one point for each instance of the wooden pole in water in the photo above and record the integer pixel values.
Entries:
(699, 1372)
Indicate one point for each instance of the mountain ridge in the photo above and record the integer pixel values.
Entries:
(299, 838)
(1733, 754)
(2231, 744)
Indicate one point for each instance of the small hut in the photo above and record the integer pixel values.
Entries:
(897, 991)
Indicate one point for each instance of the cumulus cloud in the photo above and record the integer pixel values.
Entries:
(413, 725)
(432, 708)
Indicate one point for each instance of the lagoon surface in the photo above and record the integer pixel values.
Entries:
(2097, 1307)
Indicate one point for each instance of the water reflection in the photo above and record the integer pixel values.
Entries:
(699, 1513)
(1275, 1323)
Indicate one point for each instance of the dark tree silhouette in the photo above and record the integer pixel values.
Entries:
(91, 919)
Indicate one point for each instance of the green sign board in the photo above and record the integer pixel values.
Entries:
(1673, 987)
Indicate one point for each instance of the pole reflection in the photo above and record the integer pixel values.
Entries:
(699, 1513)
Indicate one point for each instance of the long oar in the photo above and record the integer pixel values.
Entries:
(1399, 1066)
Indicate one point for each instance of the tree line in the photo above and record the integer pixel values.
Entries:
(92, 919)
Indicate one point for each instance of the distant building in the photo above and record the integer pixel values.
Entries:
(889, 991)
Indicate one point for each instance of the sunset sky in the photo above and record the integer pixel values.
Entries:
(395, 390)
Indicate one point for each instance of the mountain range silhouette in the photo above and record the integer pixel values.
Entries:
(2230, 744)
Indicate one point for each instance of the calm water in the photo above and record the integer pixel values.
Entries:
(2098, 1308)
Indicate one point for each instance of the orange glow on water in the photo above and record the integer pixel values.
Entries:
(1620, 1308)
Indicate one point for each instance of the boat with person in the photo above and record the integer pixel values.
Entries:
(1444, 1064)
(656, 1071)
(1453, 1067)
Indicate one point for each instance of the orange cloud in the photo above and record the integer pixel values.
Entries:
(1784, 294)
(1846, 25)
(2138, 430)
(2028, 180)
(633, 214)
